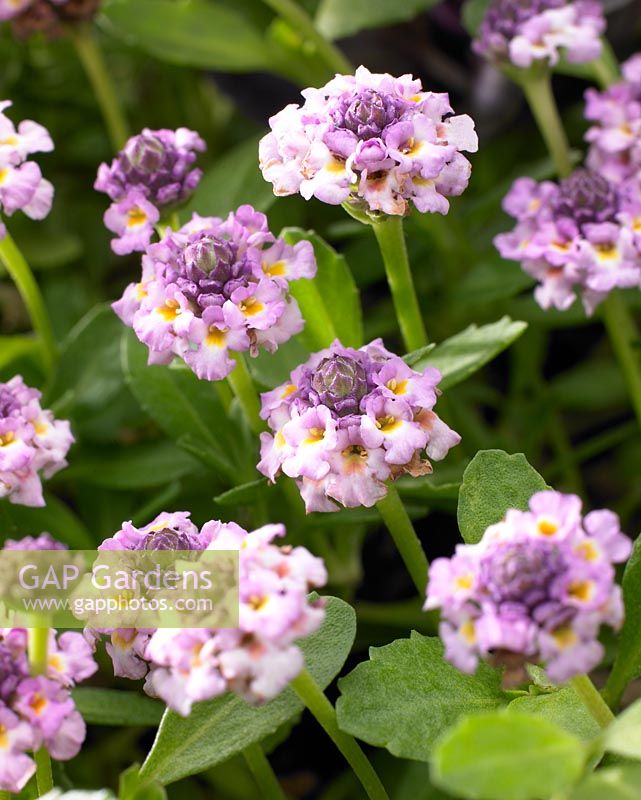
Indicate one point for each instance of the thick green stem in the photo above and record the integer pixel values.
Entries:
(242, 385)
(91, 58)
(537, 88)
(592, 700)
(625, 342)
(303, 24)
(312, 696)
(38, 643)
(606, 67)
(391, 241)
(22, 276)
(399, 524)
(260, 768)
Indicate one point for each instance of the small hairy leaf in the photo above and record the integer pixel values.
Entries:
(493, 482)
(406, 695)
(502, 756)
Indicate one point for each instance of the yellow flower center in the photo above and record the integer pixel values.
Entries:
(215, 337)
(251, 306)
(564, 636)
(387, 424)
(467, 631)
(547, 527)
(136, 216)
(4, 172)
(398, 387)
(315, 435)
(170, 310)
(582, 591)
(276, 269)
(7, 438)
(257, 603)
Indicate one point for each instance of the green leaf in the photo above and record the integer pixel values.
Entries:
(627, 664)
(181, 405)
(55, 518)
(504, 756)
(191, 33)
(493, 482)
(218, 729)
(246, 493)
(623, 736)
(115, 707)
(233, 180)
(132, 787)
(614, 783)
(460, 356)
(562, 707)
(15, 347)
(337, 18)
(406, 695)
(473, 13)
(89, 374)
(330, 303)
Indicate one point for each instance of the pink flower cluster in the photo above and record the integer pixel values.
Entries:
(153, 174)
(524, 32)
(535, 589)
(347, 421)
(216, 286)
(22, 187)
(255, 660)
(38, 711)
(372, 140)
(577, 237)
(615, 138)
(31, 442)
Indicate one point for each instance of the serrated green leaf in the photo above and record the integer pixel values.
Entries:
(218, 729)
(406, 695)
(503, 756)
(330, 303)
(614, 783)
(493, 482)
(337, 18)
(183, 406)
(115, 707)
(562, 707)
(627, 664)
(191, 33)
(623, 735)
(460, 356)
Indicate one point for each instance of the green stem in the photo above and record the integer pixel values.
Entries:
(391, 241)
(623, 338)
(314, 699)
(303, 24)
(537, 88)
(22, 276)
(592, 700)
(91, 58)
(399, 524)
(242, 385)
(606, 67)
(260, 768)
(38, 643)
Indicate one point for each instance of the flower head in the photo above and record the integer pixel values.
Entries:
(522, 32)
(255, 660)
(216, 286)
(39, 711)
(576, 237)
(31, 442)
(372, 140)
(43, 542)
(536, 589)
(615, 136)
(22, 187)
(49, 17)
(347, 421)
(153, 173)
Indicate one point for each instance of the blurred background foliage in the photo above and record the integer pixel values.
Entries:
(155, 438)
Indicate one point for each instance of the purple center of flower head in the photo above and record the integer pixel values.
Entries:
(206, 271)
(522, 572)
(368, 113)
(144, 153)
(586, 197)
(340, 383)
(504, 17)
(8, 402)
(167, 539)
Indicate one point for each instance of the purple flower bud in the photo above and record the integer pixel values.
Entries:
(369, 113)
(341, 384)
(503, 18)
(586, 197)
(212, 257)
(145, 153)
(167, 539)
